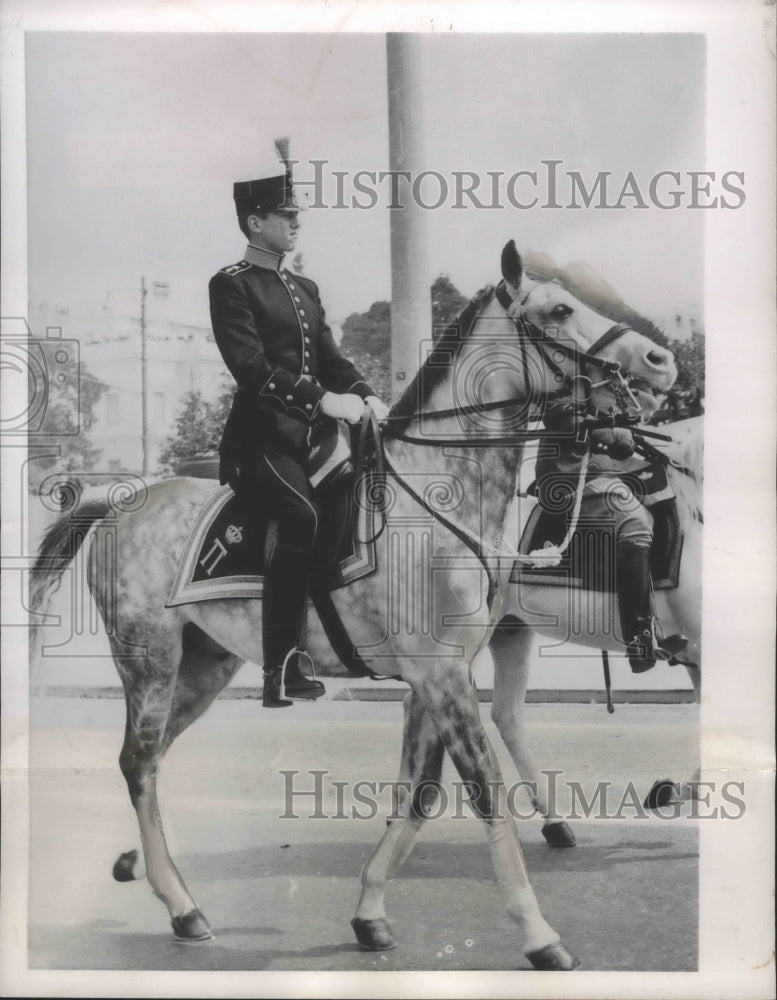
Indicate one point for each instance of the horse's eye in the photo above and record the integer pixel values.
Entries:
(561, 311)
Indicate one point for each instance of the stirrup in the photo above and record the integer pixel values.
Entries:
(314, 688)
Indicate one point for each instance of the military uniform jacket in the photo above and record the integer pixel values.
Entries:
(271, 329)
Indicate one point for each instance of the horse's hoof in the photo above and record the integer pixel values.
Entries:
(124, 868)
(559, 834)
(374, 935)
(553, 958)
(191, 928)
(661, 794)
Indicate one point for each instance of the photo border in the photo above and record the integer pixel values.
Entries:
(737, 713)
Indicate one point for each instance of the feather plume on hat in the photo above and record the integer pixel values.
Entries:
(282, 149)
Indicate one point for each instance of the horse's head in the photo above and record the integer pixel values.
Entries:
(548, 304)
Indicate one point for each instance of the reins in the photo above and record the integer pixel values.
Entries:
(527, 332)
(653, 454)
(375, 464)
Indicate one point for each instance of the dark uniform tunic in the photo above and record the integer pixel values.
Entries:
(271, 330)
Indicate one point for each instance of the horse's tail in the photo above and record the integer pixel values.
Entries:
(57, 550)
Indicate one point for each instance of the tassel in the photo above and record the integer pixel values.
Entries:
(549, 555)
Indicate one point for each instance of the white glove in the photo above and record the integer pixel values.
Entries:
(378, 407)
(345, 406)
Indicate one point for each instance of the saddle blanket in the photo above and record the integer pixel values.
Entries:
(224, 553)
(588, 562)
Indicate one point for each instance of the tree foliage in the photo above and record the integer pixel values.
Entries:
(60, 443)
(367, 342)
(367, 336)
(198, 429)
(447, 302)
(689, 357)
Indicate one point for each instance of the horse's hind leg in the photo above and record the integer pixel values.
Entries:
(149, 686)
(422, 756)
(204, 671)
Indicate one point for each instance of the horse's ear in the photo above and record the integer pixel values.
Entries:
(512, 269)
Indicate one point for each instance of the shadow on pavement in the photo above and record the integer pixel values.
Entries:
(435, 859)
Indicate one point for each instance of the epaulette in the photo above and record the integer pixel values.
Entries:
(241, 265)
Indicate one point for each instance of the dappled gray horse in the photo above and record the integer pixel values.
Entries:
(451, 455)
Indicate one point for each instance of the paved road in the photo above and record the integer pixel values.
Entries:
(280, 892)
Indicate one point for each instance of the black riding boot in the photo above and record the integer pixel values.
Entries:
(284, 606)
(636, 608)
(635, 605)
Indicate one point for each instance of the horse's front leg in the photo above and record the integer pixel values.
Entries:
(511, 648)
(451, 702)
(415, 798)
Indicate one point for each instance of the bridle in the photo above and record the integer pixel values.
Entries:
(577, 387)
(373, 461)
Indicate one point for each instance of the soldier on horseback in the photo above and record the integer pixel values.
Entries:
(270, 327)
(608, 498)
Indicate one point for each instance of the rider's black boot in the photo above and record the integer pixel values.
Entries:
(635, 605)
(284, 606)
(286, 684)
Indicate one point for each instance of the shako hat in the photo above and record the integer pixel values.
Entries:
(272, 190)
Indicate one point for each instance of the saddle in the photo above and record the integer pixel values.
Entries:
(229, 545)
(589, 560)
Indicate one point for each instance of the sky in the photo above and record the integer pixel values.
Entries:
(134, 141)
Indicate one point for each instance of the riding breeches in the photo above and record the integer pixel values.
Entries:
(613, 500)
(278, 484)
(306, 545)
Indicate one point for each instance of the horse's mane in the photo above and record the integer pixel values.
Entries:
(688, 453)
(438, 364)
(590, 288)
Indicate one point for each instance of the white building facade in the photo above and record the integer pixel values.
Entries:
(180, 356)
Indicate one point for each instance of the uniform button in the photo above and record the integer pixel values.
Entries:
(302, 311)
(284, 277)
(308, 406)
(304, 326)
(296, 298)
(307, 354)
(307, 340)
(292, 288)
(272, 385)
(289, 399)
(305, 368)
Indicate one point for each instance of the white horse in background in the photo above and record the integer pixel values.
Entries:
(562, 615)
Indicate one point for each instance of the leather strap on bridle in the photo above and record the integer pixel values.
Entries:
(583, 359)
(373, 463)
